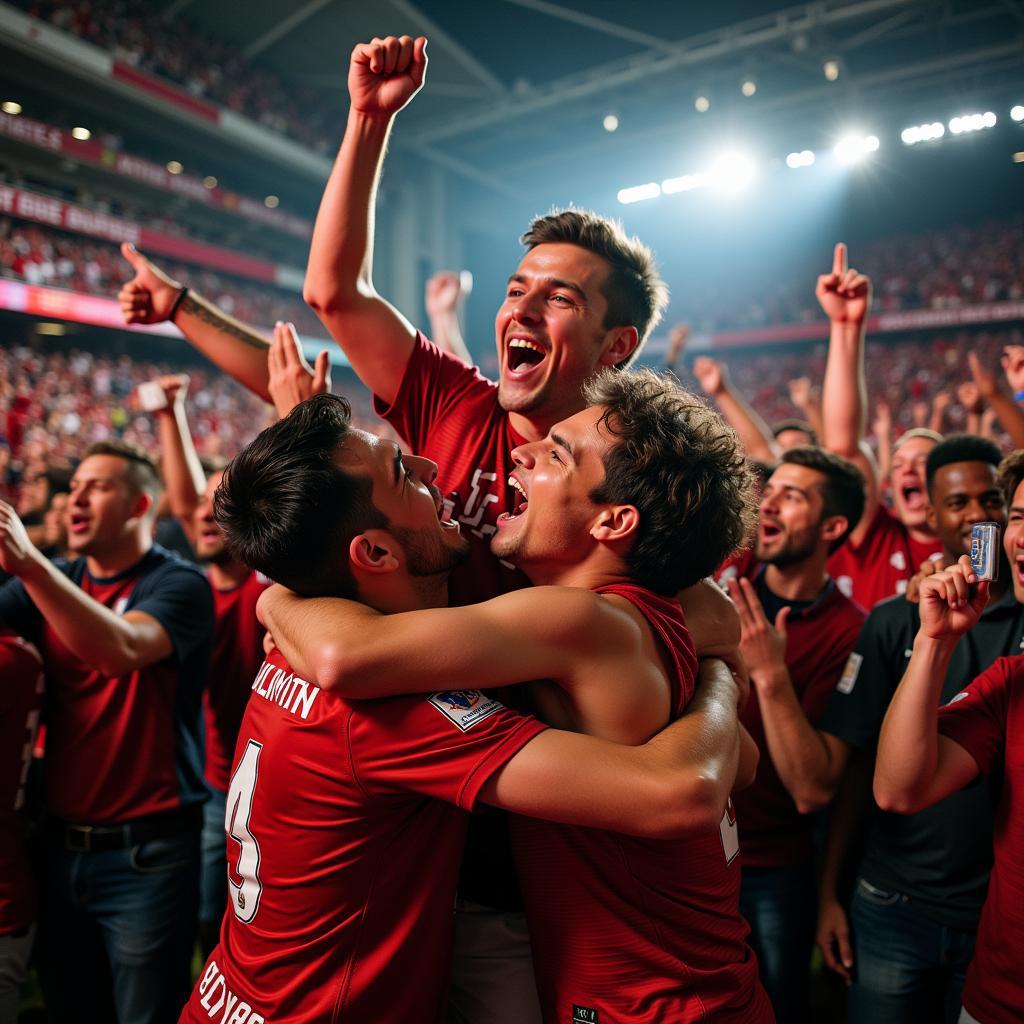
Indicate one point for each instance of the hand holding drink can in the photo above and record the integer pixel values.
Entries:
(985, 551)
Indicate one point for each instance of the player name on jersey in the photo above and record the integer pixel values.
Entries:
(221, 1003)
(285, 689)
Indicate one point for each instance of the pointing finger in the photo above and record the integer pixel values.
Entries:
(839, 258)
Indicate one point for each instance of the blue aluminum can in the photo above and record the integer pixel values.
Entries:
(985, 550)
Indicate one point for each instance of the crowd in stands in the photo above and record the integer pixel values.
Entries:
(43, 256)
(175, 49)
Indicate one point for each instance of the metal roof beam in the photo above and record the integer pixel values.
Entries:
(283, 27)
(610, 28)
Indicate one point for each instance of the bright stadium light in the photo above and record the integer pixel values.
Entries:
(610, 122)
(174, 167)
(1017, 112)
(271, 202)
(702, 104)
(82, 134)
(972, 123)
(686, 183)
(732, 172)
(831, 69)
(802, 159)
(638, 193)
(852, 149)
(1018, 158)
(923, 133)
(749, 86)
(209, 181)
(11, 107)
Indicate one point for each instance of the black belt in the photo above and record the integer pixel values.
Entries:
(98, 838)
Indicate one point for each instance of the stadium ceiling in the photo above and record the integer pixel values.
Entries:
(515, 86)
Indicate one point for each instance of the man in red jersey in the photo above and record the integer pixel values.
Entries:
(20, 699)
(343, 868)
(125, 633)
(886, 549)
(926, 753)
(604, 501)
(798, 631)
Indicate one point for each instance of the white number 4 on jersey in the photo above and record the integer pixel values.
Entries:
(244, 897)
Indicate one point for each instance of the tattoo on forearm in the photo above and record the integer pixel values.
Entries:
(215, 318)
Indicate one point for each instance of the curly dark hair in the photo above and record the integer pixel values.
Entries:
(635, 293)
(683, 469)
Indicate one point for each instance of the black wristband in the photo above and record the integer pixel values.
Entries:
(179, 299)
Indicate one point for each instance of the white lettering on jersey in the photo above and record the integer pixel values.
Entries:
(464, 708)
(285, 689)
(898, 560)
(221, 1004)
(962, 695)
(473, 513)
(848, 680)
(845, 585)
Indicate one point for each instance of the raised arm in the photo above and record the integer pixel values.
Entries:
(845, 297)
(444, 296)
(384, 75)
(360, 653)
(753, 432)
(292, 380)
(1010, 414)
(680, 780)
(916, 767)
(183, 474)
(152, 297)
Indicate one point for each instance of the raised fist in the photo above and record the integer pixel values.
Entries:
(677, 338)
(386, 73)
(710, 374)
(148, 297)
(844, 295)
(800, 391)
(443, 293)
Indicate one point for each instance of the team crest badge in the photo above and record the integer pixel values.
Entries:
(464, 708)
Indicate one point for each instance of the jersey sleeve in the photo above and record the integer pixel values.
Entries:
(857, 705)
(976, 717)
(178, 596)
(18, 613)
(444, 745)
(433, 385)
(817, 696)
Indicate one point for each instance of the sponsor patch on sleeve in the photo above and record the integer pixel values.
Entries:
(848, 680)
(464, 708)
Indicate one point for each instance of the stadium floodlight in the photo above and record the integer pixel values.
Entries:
(748, 86)
(686, 183)
(1018, 157)
(831, 69)
(851, 149)
(11, 107)
(638, 193)
(610, 123)
(972, 123)
(732, 172)
(174, 167)
(802, 159)
(702, 104)
(209, 181)
(271, 202)
(1017, 112)
(923, 133)
(82, 134)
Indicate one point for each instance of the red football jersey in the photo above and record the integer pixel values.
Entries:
(448, 412)
(987, 720)
(881, 566)
(21, 694)
(237, 655)
(636, 930)
(344, 839)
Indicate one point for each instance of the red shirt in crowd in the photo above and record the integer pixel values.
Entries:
(635, 930)
(21, 694)
(987, 720)
(346, 825)
(882, 564)
(819, 639)
(237, 655)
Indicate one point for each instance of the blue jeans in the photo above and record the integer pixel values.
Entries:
(780, 905)
(116, 930)
(908, 968)
(213, 881)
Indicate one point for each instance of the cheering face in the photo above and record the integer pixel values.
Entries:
(791, 515)
(1013, 542)
(909, 495)
(964, 493)
(209, 541)
(554, 478)
(102, 506)
(550, 330)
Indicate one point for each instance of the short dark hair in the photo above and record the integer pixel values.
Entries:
(844, 489)
(141, 471)
(682, 467)
(802, 425)
(634, 290)
(960, 448)
(288, 509)
(1011, 473)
